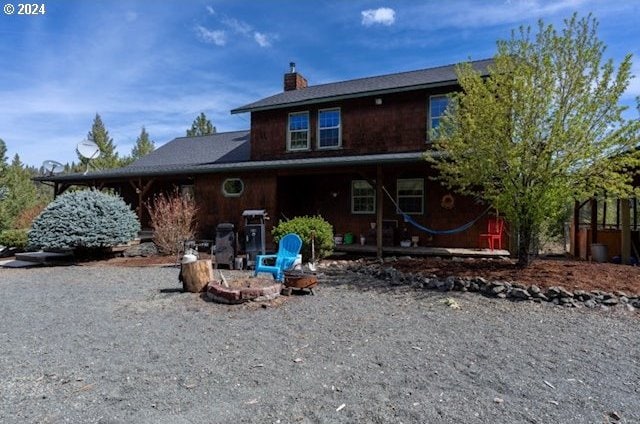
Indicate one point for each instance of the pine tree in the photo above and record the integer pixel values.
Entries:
(21, 192)
(3, 156)
(108, 156)
(201, 126)
(143, 146)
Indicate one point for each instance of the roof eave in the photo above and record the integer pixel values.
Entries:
(252, 166)
(327, 99)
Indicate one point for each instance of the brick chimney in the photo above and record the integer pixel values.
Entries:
(293, 80)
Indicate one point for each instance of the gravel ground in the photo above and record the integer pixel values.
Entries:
(122, 345)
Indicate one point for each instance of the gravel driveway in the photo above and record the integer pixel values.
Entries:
(120, 345)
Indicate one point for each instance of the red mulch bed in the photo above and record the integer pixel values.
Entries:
(570, 274)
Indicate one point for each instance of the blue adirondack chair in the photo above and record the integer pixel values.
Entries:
(288, 249)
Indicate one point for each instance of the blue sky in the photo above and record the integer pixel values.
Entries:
(159, 64)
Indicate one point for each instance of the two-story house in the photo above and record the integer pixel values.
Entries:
(351, 151)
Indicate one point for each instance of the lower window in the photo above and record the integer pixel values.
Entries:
(410, 195)
(363, 197)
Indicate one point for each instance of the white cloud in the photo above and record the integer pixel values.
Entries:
(217, 37)
(466, 14)
(262, 39)
(237, 26)
(383, 16)
(211, 10)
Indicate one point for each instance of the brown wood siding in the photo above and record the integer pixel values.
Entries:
(288, 193)
(214, 208)
(311, 194)
(399, 124)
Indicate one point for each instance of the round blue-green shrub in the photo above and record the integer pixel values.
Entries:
(84, 219)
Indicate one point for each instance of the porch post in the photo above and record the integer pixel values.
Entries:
(141, 191)
(625, 239)
(576, 230)
(594, 221)
(379, 209)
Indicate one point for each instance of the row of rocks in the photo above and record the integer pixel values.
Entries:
(499, 289)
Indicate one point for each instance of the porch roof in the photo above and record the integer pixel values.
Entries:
(219, 147)
(242, 166)
(361, 87)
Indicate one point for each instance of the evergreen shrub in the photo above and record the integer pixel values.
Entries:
(84, 219)
(14, 238)
(305, 227)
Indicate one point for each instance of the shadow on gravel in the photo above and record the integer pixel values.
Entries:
(362, 282)
(172, 290)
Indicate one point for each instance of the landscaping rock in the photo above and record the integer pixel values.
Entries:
(553, 292)
(497, 289)
(611, 301)
(446, 285)
(534, 290)
(591, 304)
(582, 295)
(519, 293)
(143, 249)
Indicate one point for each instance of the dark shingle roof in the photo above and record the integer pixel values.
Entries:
(220, 147)
(362, 87)
(244, 166)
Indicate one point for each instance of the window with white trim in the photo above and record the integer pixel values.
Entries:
(410, 195)
(298, 131)
(329, 131)
(363, 197)
(188, 191)
(232, 187)
(437, 107)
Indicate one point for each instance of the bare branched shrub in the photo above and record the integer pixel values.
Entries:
(173, 219)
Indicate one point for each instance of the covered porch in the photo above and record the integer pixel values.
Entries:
(444, 252)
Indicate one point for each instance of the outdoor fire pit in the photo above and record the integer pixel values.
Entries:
(299, 280)
(243, 287)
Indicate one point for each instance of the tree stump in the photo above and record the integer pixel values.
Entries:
(196, 275)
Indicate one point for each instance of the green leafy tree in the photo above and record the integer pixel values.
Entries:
(544, 127)
(108, 155)
(201, 126)
(144, 145)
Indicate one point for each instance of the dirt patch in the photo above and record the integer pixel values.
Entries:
(571, 274)
(249, 282)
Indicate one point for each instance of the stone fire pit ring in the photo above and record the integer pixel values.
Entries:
(243, 287)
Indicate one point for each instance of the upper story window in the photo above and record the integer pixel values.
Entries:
(437, 107)
(329, 134)
(410, 192)
(298, 131)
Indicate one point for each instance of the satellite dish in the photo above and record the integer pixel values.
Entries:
(88, 149)
(52, 167)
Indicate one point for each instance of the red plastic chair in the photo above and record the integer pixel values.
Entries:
(494, 233)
